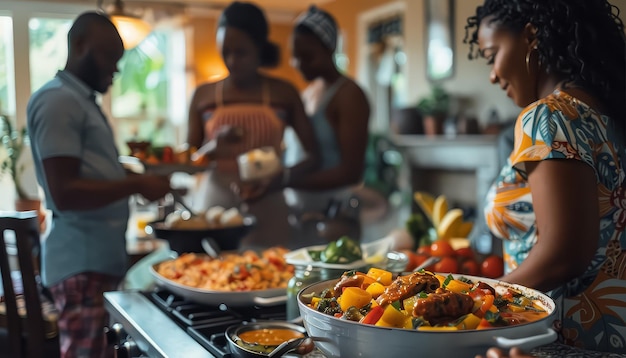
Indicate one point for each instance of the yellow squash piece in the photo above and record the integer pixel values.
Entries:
(458, 286)
(354, 296)
(470, 321)
(383, 276)
(375, 289)
(430, 328)
(392, 318)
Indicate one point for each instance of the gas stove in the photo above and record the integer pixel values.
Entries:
(162, 324)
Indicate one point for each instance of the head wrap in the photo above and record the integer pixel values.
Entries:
(322, 24)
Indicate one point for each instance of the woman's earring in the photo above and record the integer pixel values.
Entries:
(528, 59)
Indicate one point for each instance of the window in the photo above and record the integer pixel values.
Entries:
(148, 98)
(48, 40)
(7, 78)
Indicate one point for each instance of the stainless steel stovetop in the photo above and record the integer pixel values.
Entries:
(152, 330)
(162, 324)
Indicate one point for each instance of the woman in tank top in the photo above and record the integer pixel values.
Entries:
(245, 111)
(339, 113)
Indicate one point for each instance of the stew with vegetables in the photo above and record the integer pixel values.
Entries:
(425, 301)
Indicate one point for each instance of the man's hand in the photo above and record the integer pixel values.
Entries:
(153, 187)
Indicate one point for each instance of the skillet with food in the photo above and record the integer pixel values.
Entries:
(234, 279)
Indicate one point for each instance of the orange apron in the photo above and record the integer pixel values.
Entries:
(261, 127)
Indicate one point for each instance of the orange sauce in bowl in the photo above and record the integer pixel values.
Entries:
(269, 336)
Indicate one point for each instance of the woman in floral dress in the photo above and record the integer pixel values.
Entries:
(560, 203)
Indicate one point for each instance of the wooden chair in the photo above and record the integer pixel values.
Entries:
(30, 332)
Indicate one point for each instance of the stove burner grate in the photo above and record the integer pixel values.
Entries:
(207, 324)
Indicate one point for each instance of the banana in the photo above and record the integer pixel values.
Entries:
(426, 202)
(440, 208)
(450, 224)
(465, 228)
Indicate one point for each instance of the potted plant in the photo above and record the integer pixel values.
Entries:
(12, 142)
(434, 108)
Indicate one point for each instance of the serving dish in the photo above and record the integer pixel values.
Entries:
(190, 240)
(348, 339)
(374, 253)
(242, 349)
(139, 166)
(215, 297)
(171, 168)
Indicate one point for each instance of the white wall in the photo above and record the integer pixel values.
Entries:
(471, 77)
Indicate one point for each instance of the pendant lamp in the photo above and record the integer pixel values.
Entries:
(132, 29)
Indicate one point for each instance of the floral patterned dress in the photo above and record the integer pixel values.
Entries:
(592, 306)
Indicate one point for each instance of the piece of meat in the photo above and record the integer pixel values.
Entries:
(407, 286)
(443, 306)
(347, 281)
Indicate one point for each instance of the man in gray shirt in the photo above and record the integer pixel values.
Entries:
(85, 187)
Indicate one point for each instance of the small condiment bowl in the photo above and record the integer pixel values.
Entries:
(277, 332)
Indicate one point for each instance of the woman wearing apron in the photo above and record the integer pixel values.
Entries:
(341, 130)
(245, 111)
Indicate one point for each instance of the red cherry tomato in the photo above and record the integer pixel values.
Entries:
(425, 250)
(492, 266)
(168, 155)
(414, 259)
(470, 267)
(441, 248)
(465, 252)
(447, 265)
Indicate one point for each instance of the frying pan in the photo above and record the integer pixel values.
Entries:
(264, 298)
(190, 240)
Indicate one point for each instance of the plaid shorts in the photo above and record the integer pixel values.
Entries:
(82, 316)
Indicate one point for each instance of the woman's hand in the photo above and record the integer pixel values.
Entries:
(254, 190)
(513, 353)
(229, 134)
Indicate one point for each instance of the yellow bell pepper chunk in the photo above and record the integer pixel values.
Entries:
(384, 277)
(374, 303)
(382, 323)
(458, 286)
(375, 289)
(441, 279)
(393, 317)
(408, 323)
(315, 301)
(409, 303)
(470, 321)
(428, 328)
(354, 296)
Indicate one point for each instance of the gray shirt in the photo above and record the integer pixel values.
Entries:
(65, 121)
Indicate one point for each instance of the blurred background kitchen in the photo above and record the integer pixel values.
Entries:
(435, 119)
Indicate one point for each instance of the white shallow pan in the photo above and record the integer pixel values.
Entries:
(269, 297)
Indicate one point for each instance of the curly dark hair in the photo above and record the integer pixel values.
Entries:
(580, 40)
